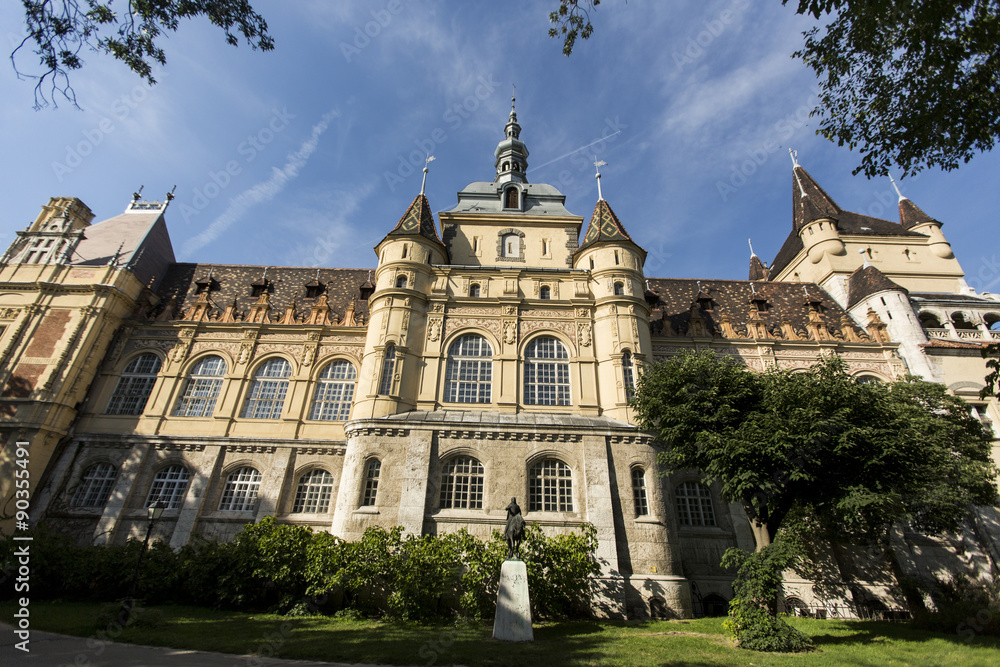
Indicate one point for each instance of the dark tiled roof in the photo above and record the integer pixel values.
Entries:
(757, 269)
(604, 227)
(865, 281)
(818, 204)
(285, 285)
(417, 221)
(911, 215)
(732, 299)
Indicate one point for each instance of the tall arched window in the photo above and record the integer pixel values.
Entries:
(134, 386)
(268, 389)
(550, 487)
(694, 505)
(388, 369)
(334, 392)
(628, 375)
(314, 492)
(169, 486)
(95, 486)
(462, 484)
(469, 374)
(546, 372)
(373, 470)
(202, 388)
(639, 492)
(240, 493)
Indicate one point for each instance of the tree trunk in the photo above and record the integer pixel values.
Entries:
(761, 534)
(914, 600)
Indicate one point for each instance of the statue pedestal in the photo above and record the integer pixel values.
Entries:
(513, 619)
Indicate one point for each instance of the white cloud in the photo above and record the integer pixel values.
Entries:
(265, 190)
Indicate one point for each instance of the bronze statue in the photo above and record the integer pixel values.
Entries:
(514, 532)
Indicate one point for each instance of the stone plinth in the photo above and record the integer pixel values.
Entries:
(513, 619)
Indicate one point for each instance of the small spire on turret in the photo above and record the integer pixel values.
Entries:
(750, 243)
(893, 181)
(170, 196)
(598, 164)
(864, 254)
(430, 158)
(795, 165)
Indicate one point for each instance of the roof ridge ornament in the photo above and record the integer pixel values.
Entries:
(896, 187)
(752, 253)
(427, 161)
(598, 164)
(796, 165)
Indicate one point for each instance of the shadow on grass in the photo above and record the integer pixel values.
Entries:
(878, 632)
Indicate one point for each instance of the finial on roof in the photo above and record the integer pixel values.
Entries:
(598, 164)
(893, 181)
(430, 158)
(317, 275)
(699, 285)
(117, 255)
(805, 291)
(513, 90)
(865, 255)
(170, 195)
(795, 164)
(752, 253)
(753, 289)
(137, 195)
(263, 278)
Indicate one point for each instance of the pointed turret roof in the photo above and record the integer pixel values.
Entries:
(605, 227)
(868, 280)
(417, 221)
(757, 269)
(910, 214)
(810, 201)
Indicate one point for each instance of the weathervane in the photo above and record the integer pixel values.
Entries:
(598, 164)
(893, 181)
(430, 158)
(750, 243)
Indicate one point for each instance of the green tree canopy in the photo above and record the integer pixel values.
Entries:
(58, 31)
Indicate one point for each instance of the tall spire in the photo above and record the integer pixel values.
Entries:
(809, 201)
(511, 153)
(599, 164)
(423, 184)
(910, 214)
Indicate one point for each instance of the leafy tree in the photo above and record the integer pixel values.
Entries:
(770, 439)
(911, 84)
(59, 30)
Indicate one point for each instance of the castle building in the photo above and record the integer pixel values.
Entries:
(493, 359)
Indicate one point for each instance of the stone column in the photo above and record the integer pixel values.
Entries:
(413, 492)
(106, 527)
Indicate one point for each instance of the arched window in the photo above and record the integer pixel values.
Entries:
(314, 492)
(714, 605)
(694, 505)
(372, 471)
(550, 487)
(401, 282)
(169, 486)
(639, 492)
(334, 392)
(134, 386)
(462, 484)
(546, 372)
(203, 385)
(240, 493)
(469, 374)
(95, 486)
(510, 198)
(545, 292)
(388, 369)
(867, 379)
(619, 289)
(628, 374)
(268, 389)
(474, 290)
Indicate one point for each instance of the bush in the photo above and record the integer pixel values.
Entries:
(965, 607)
(753, 621)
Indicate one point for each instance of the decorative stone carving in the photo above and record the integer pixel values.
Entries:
(510, 332)
(583, 333)
(434, 330)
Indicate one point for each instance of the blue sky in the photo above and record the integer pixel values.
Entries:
(305, 156)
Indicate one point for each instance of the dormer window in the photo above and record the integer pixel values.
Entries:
(510, 198)
(256, 289)
(314, 289)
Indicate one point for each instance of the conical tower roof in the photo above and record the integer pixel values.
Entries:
(417, 221)
(810, 201)
(867, 280)
(910, 215)
(605, 227)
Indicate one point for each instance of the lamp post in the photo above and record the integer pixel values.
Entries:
(153, 513)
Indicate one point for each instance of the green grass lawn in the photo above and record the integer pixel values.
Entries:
(697, 642)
